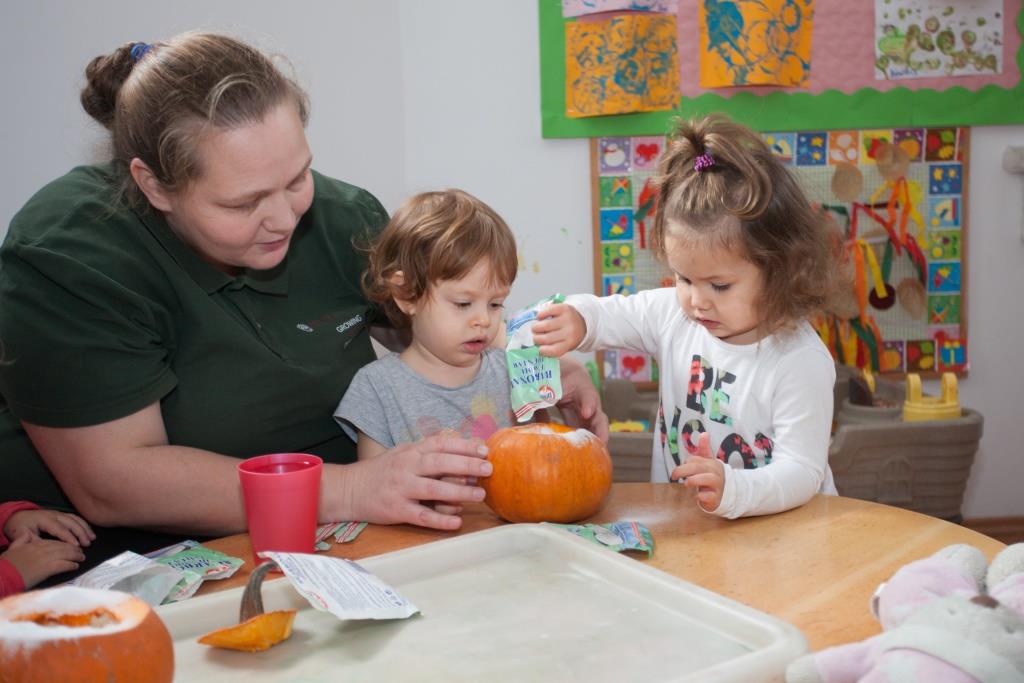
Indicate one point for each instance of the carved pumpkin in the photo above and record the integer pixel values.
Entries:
(255, 634)
(546, 473)
(69, 633)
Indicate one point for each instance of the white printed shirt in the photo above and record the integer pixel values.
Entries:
(767, 406)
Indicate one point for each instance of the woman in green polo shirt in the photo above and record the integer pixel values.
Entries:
(196, 298)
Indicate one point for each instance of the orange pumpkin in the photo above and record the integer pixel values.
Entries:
(546, 473)
(69, 633)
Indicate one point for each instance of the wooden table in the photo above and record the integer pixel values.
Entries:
(816, 566)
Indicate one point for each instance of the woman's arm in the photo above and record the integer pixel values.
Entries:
(124, 473)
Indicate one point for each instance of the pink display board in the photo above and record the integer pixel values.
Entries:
(842, 53)
(843, 90)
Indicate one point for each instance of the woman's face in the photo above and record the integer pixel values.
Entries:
(255, 185)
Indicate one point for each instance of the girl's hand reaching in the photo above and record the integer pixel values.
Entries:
(61, 525)
(37, 559)
(558, 330)
(703, 472)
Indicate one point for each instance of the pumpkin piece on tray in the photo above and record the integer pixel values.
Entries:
(257, 630)
(256, 634)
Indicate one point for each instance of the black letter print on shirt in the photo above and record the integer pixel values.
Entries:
(734, 443)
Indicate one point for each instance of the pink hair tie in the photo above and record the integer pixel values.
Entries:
(703, 162)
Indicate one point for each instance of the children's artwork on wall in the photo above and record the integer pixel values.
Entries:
(622, 364)
(755, 42)
(617, 224)
(843, 85)
(624, 64)
(923, 38)
(893, 197)
(624, 263)
(577, 8)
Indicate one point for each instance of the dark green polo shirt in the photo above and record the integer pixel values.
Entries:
(104, 311)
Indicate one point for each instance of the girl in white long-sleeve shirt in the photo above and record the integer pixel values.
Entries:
(745, 380)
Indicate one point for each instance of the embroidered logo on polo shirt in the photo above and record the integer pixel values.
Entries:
(348, 324)
(352, 325)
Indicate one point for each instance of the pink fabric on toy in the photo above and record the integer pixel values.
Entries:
(918, 583)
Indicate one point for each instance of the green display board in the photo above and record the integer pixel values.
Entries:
(780, 111)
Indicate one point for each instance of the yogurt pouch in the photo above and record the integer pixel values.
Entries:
(536, 379)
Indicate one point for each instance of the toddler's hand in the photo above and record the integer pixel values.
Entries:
(37, 559)
(452, 508)
(62, 525)
(705, 473)
(558, 330)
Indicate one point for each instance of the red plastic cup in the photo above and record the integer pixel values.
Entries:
(282, 495)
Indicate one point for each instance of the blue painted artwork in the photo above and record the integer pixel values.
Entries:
(945, 179)
(624, 284)
(944, 277)
(616, 225)
(812, 148)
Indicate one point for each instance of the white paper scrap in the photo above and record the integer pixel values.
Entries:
(132, 573)
(341, 587)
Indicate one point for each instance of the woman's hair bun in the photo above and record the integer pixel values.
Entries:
(104, 77)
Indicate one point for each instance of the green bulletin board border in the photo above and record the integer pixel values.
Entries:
(777, 111)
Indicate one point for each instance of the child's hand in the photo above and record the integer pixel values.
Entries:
(62, 525)
(37, 559)
(559, 329)
(705, 473)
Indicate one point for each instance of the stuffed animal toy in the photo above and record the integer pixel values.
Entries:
(947, 618)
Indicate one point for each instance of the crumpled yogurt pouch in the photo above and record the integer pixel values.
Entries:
(536, 379)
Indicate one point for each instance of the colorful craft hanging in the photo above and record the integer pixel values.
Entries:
(647, 204)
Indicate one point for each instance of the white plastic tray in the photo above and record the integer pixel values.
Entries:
(519, 602)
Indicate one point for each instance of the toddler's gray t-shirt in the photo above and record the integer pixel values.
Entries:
(391, 404)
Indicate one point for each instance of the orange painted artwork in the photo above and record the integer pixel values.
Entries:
(762, 42)
(621, 65)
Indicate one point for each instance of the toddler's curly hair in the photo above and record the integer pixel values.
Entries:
(435, 236)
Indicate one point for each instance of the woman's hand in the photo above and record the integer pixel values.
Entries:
(37, 559)
(703, 472)
(61, 525)
(399, 485)
(559, 329)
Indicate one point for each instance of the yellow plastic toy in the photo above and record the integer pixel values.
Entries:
(918, 408)
(627, 426)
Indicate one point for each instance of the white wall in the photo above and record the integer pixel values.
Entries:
(995, 310)
(473, 121)
(345, 53)
(410, 95)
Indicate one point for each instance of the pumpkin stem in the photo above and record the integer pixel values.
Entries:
(252, 597)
